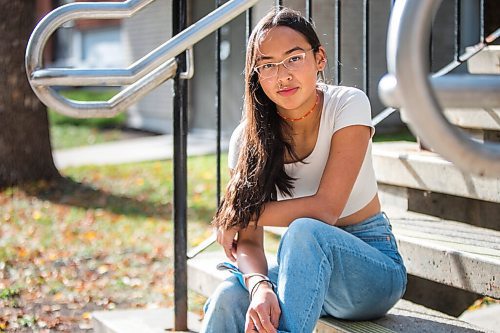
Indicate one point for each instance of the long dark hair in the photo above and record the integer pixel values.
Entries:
(261, 165)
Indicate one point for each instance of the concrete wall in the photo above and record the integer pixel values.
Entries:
(151, 27)
(203, 84)
(143, 33)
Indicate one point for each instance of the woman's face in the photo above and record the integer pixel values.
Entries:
(294, 87)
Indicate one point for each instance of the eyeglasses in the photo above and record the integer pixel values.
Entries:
(293, 63)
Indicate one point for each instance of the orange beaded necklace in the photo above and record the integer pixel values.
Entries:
(304, 115)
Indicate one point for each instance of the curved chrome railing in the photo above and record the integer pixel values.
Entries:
(140, 78)
(408, 85)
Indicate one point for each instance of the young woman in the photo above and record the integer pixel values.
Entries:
(301, 159)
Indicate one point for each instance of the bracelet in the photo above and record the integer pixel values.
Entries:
(256, 286)
(246, 277)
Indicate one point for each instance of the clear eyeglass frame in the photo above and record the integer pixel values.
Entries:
(270, 69)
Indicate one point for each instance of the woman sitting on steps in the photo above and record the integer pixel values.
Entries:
(301, 158)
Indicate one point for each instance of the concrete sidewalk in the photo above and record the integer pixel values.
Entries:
(134, 150)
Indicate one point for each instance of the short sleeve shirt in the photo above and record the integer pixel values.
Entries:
(342, 107)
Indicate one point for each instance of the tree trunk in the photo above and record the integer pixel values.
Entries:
(25, 150)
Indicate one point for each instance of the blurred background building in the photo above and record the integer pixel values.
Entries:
(118, 43)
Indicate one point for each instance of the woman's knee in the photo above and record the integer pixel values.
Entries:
(308, 236)
(301, 236)
(228, 297)
(305, 230)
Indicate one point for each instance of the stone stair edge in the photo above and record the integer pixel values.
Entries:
(402, 164)
(390, 323)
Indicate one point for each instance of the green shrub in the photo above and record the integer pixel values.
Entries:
(88, 94)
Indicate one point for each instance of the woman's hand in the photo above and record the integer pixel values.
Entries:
(226, 238)
(264, 312)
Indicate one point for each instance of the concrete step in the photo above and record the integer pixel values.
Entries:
(158, 320)
(486, 61)
(480, 213)
(404, 317)
(488, 119)
(452, 253)
(404, 164)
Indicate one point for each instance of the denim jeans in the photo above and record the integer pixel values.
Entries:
(353, 272)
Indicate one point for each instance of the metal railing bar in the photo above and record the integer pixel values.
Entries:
(407, 60)
(189, 73)
(366, 46)
(95, 77)
(472, 50)
(337, 42)
(467, 91)
(180, 130)
(116, 104)
(481, 20)
(202, 246)
(431, 47)
(60, 15)
(83, 77)
(248, 24)
(170, 49)
(218, 108)
(457, 29)
(309, 10)
(278, 3)
(382, 115)
(452, 90)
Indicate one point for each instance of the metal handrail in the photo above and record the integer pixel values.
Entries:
(80, 10)
(387, 89)
(149, 71)
(452, 91)
(410, 87)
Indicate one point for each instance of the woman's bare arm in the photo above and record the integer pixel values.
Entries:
(250, 250)
(347, 152)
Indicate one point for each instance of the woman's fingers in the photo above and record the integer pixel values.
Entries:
(275, 315)
(259, 319)
(230, 254)
(260, 322)
(249, 324)
(264, 315)
(226, 239)
(228, 249)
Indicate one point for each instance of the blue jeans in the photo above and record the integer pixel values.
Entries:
(353, 272)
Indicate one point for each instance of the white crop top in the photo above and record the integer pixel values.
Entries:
(342, 107)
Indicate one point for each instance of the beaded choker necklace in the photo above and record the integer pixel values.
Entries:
(304, 115)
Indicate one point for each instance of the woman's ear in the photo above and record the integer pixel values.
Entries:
(321, 58)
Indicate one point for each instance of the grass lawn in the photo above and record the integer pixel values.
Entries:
(67, 132)
(99, 239)
(403, 135)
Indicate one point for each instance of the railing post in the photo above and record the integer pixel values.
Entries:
(337, 43)
(180, 124)
(218, 105)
